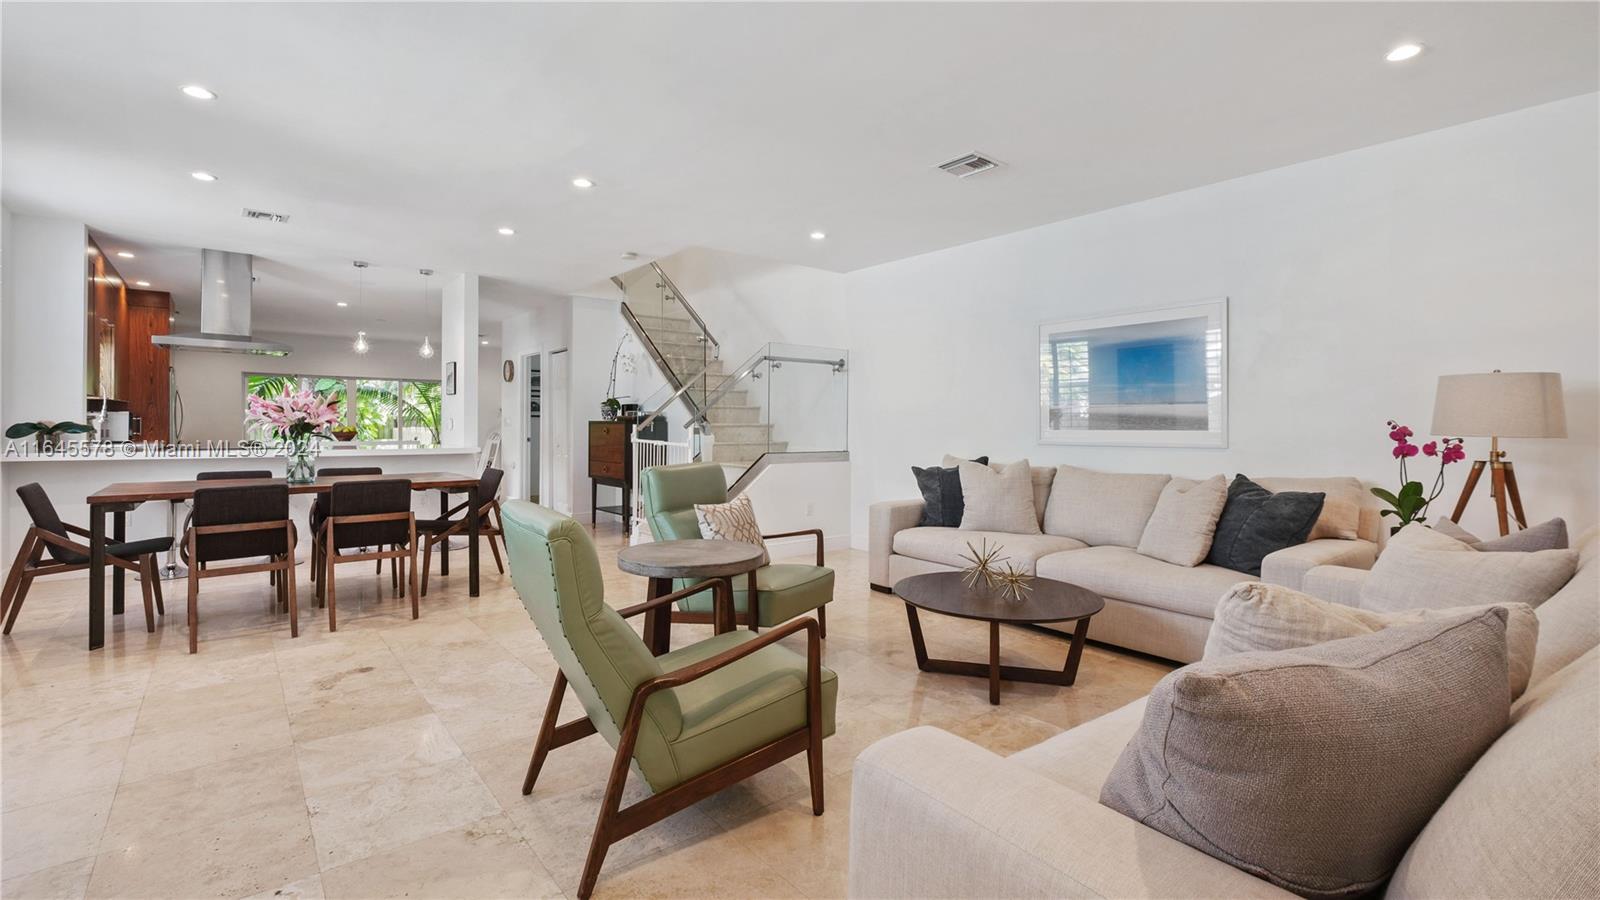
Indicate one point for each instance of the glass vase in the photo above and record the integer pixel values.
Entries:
(301, 461)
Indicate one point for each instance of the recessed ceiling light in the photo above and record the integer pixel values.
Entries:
(125, 254)
(485, 343)
(581, 182)
(506, 231)
(198, 92)
(172, 318)
(202, 176)
(1403, 52)
(341, 304)
(818, 235)
(142, 283)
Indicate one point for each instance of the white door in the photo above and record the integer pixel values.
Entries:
(557, 418)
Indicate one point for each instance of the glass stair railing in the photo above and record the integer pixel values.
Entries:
(672, 333)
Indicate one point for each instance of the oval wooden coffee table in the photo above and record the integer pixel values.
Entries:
(664, 561)
(1049, 601)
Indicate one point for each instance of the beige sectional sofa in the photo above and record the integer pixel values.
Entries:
(1151, 606)
(1522, 823)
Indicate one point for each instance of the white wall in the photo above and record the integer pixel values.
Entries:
(545, 327)
(1354, 282)
(458, 344)
(43, 301)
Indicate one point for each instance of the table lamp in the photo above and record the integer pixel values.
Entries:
(1499, 405)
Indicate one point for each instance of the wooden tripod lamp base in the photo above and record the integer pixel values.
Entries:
(1497, 405)
(1502, 486)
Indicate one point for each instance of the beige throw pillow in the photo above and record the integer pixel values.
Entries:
(1316, 768)
(1185, 518)
(1422, 568)
(1254, 616)
(1101, 508)
(1340, 519)
(731, 521)
(1042, 477)
(998, 498)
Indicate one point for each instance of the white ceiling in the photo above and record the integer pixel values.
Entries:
(404, 134)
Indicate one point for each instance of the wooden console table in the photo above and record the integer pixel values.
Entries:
(611, 464)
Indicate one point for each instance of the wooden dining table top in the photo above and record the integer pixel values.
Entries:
(143, 491)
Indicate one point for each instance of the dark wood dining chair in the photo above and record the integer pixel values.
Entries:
(233, 523)
(319, 513)
(363, 515)
(231, 475)
(49, 534)
(439, 531)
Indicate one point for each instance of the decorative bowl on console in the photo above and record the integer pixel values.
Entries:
(345, 434)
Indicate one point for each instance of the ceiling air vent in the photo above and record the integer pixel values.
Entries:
(263, 215)
(971, 164)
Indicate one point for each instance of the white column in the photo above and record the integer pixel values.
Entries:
(458, 347)
(45, 299)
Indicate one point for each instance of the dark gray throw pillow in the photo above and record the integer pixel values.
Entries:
(1315, 768)
(942, 504)
(1256, 522)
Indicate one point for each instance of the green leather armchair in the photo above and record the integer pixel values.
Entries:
(691, 721)
(783, 590)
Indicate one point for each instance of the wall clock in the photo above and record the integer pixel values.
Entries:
(508, 371)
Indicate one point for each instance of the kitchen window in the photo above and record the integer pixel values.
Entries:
(390, 411)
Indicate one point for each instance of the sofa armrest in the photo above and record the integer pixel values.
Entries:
(1336, 584)
(884, 520)
(933, 815)
(1289, 566)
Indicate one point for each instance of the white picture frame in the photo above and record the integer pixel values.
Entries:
(1150, 378)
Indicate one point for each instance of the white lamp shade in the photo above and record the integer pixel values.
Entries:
(1500, 404)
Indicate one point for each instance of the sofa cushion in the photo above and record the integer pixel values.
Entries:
(1369, 524)
(1256, 522)
(1122, 573)
(1082, 757)
(946, 545)
(1254, 617)
(1101, 508)
(1339, 519)
(1422, 568)
(1551, 535)
(1185, 518)
(1523, 822)
(1569, 623)
(998, 498)
(1347, 749)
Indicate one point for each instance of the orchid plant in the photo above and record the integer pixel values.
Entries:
(295, 417)
(1410, 504)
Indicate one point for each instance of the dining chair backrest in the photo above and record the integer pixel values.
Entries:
(239, 506)
(557, 574)
(489, 483)
(238, 475)
(670, 493)
(319, 506)
(44, 516)
(368, 498)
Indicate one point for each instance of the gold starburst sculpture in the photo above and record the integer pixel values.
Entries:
(1012, 583)
(985, 566)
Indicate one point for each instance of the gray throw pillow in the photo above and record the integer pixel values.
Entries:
(1315, 768)
(941, 494)
(1256, 522)
(1551, 535)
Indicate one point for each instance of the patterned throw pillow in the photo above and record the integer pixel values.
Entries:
(731, 521)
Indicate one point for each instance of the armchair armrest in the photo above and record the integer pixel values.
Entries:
(630, 611)
(987, 827)
(884, 520)
(817, 532)
(704, 667)
(1335, 584)
(1289, 566)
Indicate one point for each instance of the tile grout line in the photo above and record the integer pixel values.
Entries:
(294, 751)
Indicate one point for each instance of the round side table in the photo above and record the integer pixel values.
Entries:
(664, 561)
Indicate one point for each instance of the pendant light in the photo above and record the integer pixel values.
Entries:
(361, 346)
(426, 350)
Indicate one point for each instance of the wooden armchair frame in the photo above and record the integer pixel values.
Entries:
(29, 564)
(488, 526)
(283, 584)
(330, 557)
(752, 614)
(616, 823)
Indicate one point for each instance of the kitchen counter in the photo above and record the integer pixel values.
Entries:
(22, 451)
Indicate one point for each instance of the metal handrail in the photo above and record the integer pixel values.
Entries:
(837, 365)
(667, 283)
(681, 391)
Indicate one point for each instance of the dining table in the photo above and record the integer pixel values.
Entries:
(115, 500)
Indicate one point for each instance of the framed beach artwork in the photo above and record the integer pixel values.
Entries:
(1156, 378)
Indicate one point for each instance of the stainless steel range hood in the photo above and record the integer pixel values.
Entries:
(226, 282)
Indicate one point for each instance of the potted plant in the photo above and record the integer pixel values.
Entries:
(610, 408)
(301, 419)
(1410, 503)
(45, 434)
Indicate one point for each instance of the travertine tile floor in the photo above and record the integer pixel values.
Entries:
(386, 759)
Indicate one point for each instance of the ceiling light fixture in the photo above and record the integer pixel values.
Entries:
(142, 283)
(426, 350)
(202, 176)
(485, 343)
(581, 182)
(361, 346)
(506, 231)
(1404, 52)
(198, 92)
(818, 235)
(341, 304)
(124, 254)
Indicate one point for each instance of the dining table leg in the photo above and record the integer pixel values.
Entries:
(97, 577)
(473, 515)
(119, 586)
